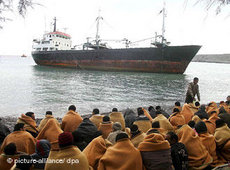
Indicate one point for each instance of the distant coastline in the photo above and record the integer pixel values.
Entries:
(212, 58)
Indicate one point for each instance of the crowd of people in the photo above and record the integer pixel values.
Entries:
(193, 136)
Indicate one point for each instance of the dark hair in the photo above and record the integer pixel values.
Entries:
(197, 104)
(213, 112)
(210, 104)
(18, 126)
(152, 131)
(156, 124)
(72, 107)
(158, 107)
(177, 103)
(29, 114)
(173, 136)
(150, 108)
(222, 110)
(219, 123)
(106, 119)
(140, 111)
(95, 111)
(201, 127)
(176, 110)
(25, 164)
(192, 123)
(114, 110)
(134, 128)
(10, 149)
(195, 78)
(49, 113)
(121, 136)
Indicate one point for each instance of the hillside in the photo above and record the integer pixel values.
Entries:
(212, 58)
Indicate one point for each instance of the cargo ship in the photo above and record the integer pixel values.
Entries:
(55, 49)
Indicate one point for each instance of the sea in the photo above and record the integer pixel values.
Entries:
(25, 86)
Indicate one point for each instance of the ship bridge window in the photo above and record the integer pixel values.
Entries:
(45, 49)
(38, 49)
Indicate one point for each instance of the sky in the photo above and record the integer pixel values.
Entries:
(186, 24)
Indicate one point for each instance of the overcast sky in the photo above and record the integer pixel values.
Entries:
(133, 19)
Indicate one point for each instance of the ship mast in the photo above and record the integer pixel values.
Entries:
(54, 24)
(163, 24)
(97, 33)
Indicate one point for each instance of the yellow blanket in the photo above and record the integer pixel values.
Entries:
(212, 107)
(23, 140)
(164, 123)
(136, 140)
(30, 124)
(95, 150)
(71, 121)
(121, 156)
(154, 142)
(176, 119)
(187, 113)
(70, 158)
(45, 120)
(118, 117)
(143, 125)
(6, 165)
(197, 154)
(222, 134)
(96, 119)
(50, 132)
(105, 129)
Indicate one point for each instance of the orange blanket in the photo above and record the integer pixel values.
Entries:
(212, 107)
(73, 154)
(210, 126)
(30, 124)
(95, 150)
(4, 165)
(154, 142)
(164, 123)
(118, 117)
(147, 114)
(210, 144)
(143, 125)
(197, 154)
(136, 140)
(213, 118)
(96, 119)
(71, 121)
(123, 156)
(187, 113)
(23, 140)
(105, 129)
(193, 108)
(45, 120)
(176, 119)
(50, 132)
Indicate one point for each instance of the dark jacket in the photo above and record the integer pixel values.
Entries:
(193, 90)
(4, 131)
(41, 153)
(130, 117)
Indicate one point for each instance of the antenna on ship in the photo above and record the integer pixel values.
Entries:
(97, 33)
(163, 24)
(54, 24)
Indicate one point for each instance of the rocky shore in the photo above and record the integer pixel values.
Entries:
(212, 58)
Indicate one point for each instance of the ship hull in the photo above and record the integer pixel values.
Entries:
(170, 59)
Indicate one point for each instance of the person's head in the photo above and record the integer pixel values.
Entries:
(49, 113)
(156, 124)
(175, 110)
(192, 123)
(171, 137)
(151, 108)
(158, 112)
(228, 98)
(24, 162)
(19, 127)
(177, 103)
(114, 110)
(10, 149)
(140, 111)
(220, 123)
(116, 126)
(202, 107)
(106, 119)
(201, 127)
(197, 104)
(213, 112)
(30, 114)
(121, 136)
(72, 107)
(95, 111)
(195, 80)
(158, 108)
(65, 139)
(222, 110)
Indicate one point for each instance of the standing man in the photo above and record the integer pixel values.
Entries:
(193, 90)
